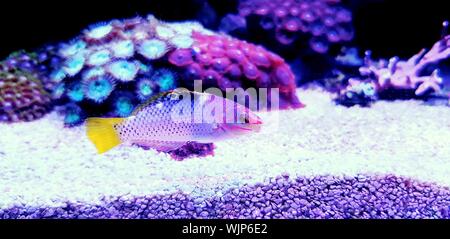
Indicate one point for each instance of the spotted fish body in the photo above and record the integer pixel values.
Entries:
(172, 119)
(154, 125)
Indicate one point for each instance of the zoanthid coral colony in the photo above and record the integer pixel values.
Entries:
(114, 66)
(324, 22)
(22, 97)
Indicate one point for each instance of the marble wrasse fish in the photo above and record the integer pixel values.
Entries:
(172, 119)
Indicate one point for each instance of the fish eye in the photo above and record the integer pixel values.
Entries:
(244, 119)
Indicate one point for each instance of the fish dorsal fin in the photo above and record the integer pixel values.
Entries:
(149, 102)
(162, 95)
(158, 97)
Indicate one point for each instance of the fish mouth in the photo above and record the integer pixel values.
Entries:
(245, 128)
(258, 121)
(255, 120)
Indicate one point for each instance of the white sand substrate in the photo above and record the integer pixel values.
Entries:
(43, 164)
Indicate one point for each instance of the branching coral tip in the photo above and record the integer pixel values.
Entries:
(444, 34)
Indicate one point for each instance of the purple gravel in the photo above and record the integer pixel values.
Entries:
(315, 197)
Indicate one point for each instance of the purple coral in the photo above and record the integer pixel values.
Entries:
(399, 74)
(325, 22)
(394, 75)
(230, 63)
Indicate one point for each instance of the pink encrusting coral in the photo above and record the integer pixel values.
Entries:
(324, 21)
(230, 63)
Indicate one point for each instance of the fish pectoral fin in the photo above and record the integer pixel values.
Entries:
(163, 146)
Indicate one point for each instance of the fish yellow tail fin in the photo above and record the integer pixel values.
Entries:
(102, 133)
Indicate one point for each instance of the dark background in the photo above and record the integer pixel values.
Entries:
(388, 27)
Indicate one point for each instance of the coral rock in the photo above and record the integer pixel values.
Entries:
(22, 97)
(399, 74)
(39, 64)
(324, 21)
(386, 77)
